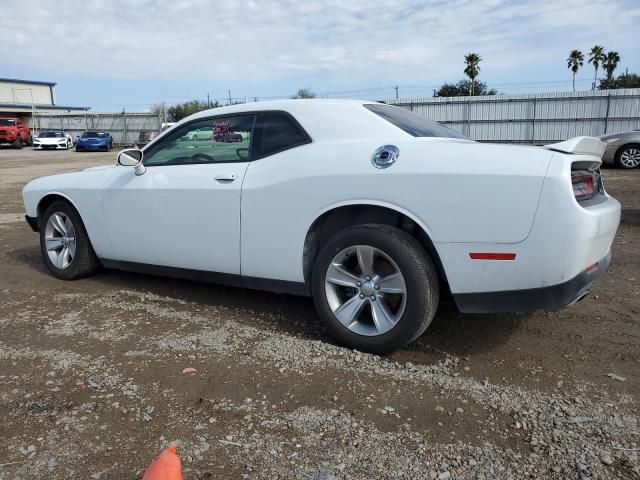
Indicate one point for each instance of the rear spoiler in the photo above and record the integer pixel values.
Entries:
(580, 146)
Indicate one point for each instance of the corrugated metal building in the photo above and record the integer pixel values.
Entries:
(535, 118)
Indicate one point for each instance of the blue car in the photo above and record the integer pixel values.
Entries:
(93, 140)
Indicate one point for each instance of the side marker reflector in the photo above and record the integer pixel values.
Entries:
(592, 268)
(492, 256)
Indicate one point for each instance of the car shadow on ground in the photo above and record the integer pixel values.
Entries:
(630, 216)
(450, 333)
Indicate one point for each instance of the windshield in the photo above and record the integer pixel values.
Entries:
(51, 135)
(412, 123)
(7, 122)
(93, 135)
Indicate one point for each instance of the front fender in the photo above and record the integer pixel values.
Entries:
(83, 191)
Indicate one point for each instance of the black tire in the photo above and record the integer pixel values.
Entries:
(417, 268)
(30, 140)
(621, 150)
(18, 142)
(78, 149)
(85, 262)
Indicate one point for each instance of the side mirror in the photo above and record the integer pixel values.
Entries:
(132, 157)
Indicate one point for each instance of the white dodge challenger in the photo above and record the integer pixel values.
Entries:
(369, 208)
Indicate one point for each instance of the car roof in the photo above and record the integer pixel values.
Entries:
(322, 118)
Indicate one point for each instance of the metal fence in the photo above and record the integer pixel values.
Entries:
(535, 118)
(125, 128)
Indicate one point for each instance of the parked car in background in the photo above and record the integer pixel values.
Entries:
(623, 149)
(53, 139)
(14, 132)
(371, 209)
(94, 140)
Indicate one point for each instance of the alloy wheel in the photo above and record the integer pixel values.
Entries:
(365, 290)
(60, 240)
(630, 157)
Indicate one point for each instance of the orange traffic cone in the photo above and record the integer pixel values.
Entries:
(165, 467)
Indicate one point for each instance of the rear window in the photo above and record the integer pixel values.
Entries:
(412, 123)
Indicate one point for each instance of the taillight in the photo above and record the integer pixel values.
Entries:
(584, 187)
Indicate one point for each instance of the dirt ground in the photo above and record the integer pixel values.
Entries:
(91, 382)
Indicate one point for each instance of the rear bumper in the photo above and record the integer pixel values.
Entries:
(552, 297)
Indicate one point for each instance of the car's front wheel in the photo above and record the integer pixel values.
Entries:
(18, 142)
(375, 287)
(64, 243)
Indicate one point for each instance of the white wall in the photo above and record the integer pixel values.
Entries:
(11, 92)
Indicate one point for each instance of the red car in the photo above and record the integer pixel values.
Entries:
(15, 132)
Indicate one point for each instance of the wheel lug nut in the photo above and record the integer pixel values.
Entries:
(376, 286)
(373, 298)
(362, 296)
(367, 278)
(358, 284)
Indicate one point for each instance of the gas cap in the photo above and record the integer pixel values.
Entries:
(385, 156)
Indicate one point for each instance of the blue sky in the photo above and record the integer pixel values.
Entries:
(118, 54)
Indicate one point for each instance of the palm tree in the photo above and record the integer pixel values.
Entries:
(574, 62)
(472, 69)
(596, 57)
(611, 63)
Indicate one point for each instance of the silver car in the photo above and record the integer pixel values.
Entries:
(623, 149)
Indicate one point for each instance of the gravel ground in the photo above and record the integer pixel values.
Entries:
(91, 382)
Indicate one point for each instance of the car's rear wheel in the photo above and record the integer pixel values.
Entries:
(628, 156)
(18, 142)
(64, 243)
(30, 140)
(375, 287)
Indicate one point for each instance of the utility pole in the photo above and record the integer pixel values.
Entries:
(208, 101)
(396, 89)
(229, 97)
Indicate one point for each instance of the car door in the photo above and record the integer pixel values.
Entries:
(184, 210)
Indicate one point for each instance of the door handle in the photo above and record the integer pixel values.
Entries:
(226, 178)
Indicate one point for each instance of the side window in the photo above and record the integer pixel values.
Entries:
(277, 131)
(221, 139)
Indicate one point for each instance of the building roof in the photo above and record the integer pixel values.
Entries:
(31, 82)
(27, 107)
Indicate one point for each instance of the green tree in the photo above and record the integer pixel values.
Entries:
(462, 89)
(304, 93)
(574, 62)
(472, 69)
(596, 58)
(626, 80)
(182, 110)
(610, 64)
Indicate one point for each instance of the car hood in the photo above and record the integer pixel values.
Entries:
(93, 140)
(99, 168)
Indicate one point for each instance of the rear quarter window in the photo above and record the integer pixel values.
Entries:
(276, 132)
